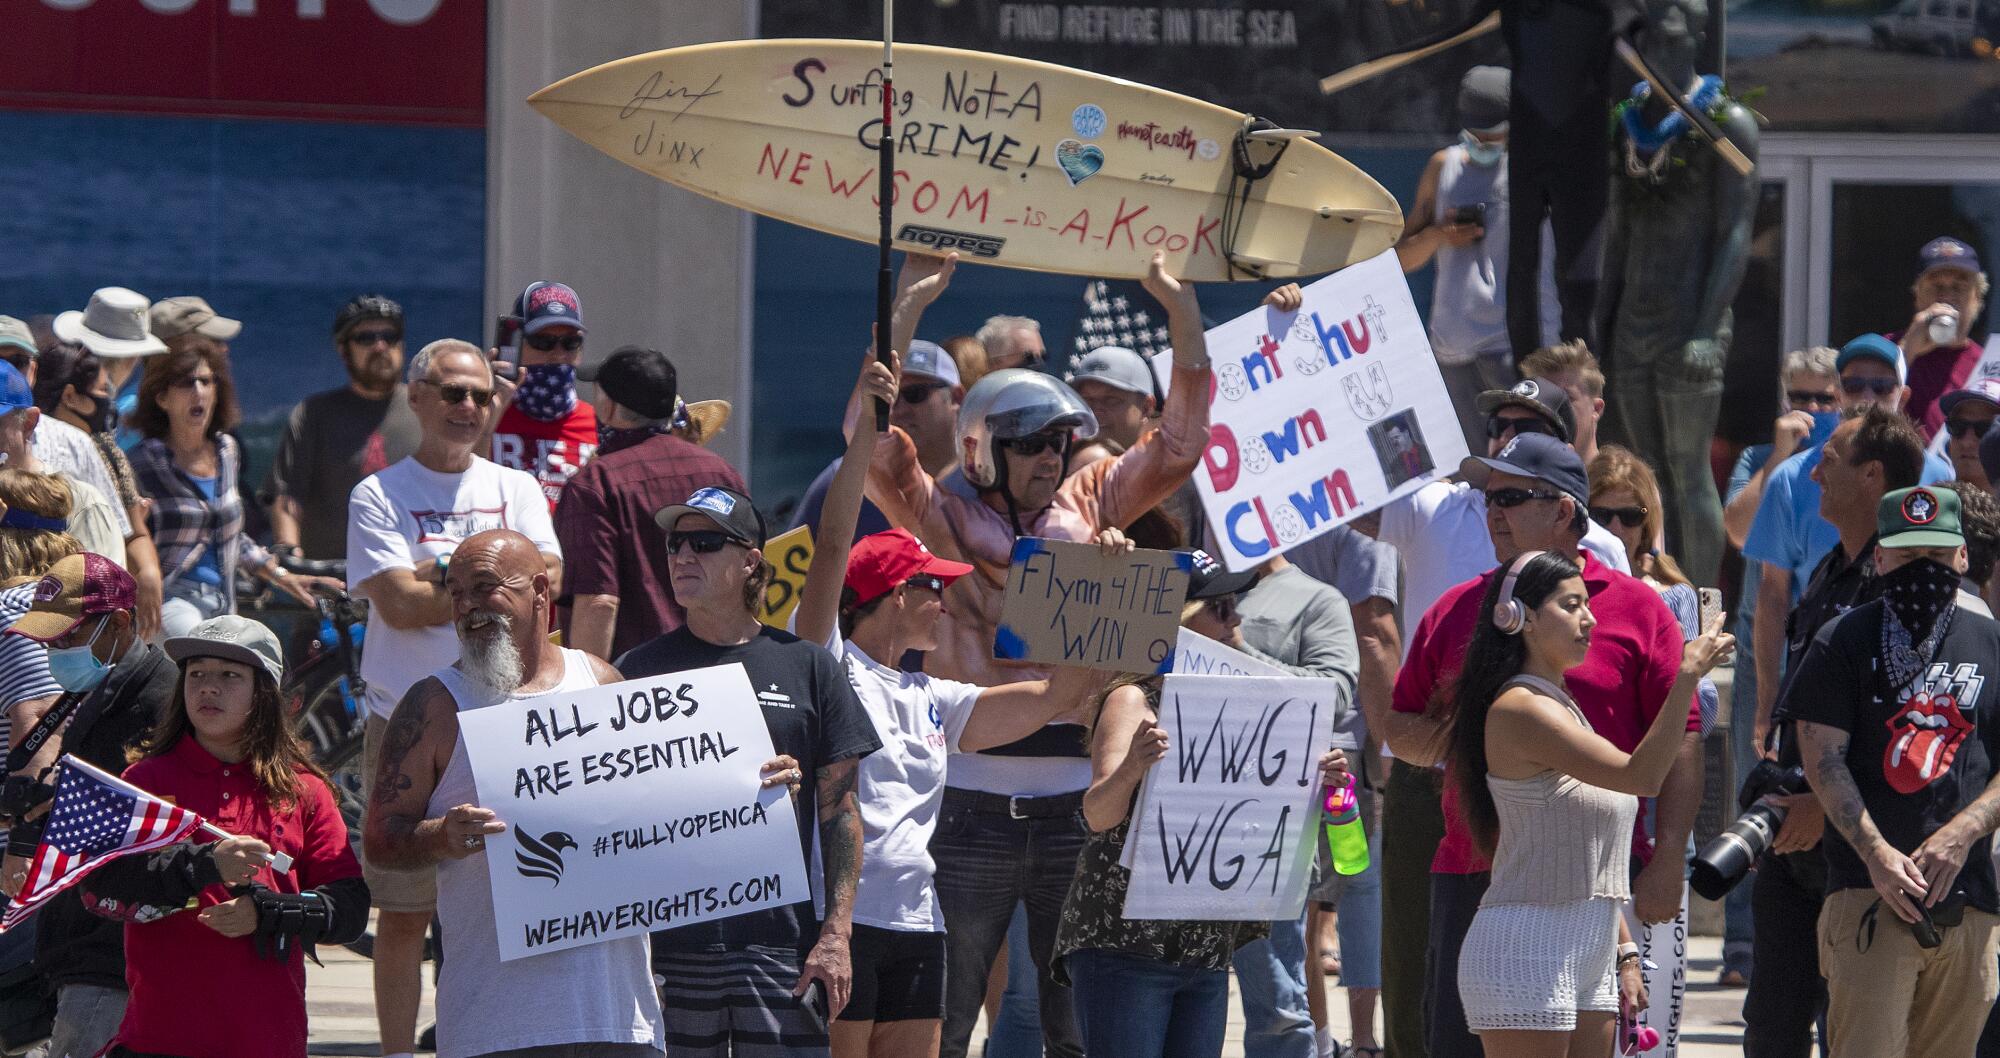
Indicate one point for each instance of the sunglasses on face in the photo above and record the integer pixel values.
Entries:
(1035, 444)
(927, 582)
(546, 343)
(1498, 426)
(453, 393)
(1966, 427)
(1507, 499)
(1633, 517)
(1222, 607)
(1806, 398)
(917, 392)
(1881, 387)
(367, 338)
(704, 541)
(192, 381)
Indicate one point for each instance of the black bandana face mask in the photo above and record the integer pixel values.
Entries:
(1920, 596)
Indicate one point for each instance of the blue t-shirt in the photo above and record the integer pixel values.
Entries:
(872, 519)
(208, 570)
(1788, 533)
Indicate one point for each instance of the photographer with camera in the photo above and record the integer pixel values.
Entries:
(1899, 739)
(1872, 452)
(1460, 218)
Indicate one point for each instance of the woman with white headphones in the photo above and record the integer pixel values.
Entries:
(1548, 961)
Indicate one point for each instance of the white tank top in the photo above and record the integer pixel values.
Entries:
(596, 993)
(1469, 294)
(1561, 839)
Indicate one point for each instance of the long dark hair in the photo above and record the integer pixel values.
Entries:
(1493, 658)
(274, 752)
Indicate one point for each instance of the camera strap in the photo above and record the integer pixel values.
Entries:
(51, 722)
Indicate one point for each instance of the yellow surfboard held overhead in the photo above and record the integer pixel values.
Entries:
(1009, 162)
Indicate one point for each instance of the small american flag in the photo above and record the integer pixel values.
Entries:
(1120, 312)
(96, 819)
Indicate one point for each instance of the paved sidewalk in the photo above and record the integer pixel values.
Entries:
(342, 1006)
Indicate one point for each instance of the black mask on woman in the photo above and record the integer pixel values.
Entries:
(102, 416)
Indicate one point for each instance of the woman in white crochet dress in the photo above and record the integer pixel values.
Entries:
(1548, 962)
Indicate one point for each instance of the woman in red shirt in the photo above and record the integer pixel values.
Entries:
(215, 939)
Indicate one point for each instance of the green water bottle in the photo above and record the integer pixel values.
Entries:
(1344, 833)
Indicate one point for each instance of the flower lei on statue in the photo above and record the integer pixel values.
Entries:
(1652, 148)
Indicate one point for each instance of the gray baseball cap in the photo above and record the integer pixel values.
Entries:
(231, 638)
(1115, 366)
(931, 361)
(14, 332)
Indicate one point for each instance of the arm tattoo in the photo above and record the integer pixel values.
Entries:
(839, 836)
(1837, 792)
(405, 730)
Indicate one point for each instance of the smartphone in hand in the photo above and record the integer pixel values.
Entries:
(813, 1002)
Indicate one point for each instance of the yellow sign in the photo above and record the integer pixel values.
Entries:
(791, 554)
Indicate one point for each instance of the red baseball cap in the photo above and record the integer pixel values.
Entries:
(882, 561)
(78, 587)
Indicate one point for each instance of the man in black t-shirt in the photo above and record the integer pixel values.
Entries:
(777, 976)
(1900, 733)
(336, 438)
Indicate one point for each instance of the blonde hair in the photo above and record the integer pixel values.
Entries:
(1618, 468)
(26, 554)
(1552, 360)
(970, 356)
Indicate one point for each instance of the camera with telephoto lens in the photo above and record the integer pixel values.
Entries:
(1728, 856)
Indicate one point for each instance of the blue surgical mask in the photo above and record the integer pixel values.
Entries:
(1482, 153)
(77, 669)
(1822, 428)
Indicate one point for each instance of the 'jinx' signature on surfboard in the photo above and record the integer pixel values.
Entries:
(653, 91)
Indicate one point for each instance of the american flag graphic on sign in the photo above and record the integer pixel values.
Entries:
(1120, 312)
(96, 818)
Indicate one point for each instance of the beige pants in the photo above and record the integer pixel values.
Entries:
(1889, 997)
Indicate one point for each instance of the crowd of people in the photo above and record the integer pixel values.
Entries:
(1523, 665)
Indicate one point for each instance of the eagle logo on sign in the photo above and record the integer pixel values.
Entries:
(1920, 507)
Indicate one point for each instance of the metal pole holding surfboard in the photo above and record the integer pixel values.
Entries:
(1008, 161)
(884, 281)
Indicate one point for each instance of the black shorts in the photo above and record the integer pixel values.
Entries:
(898, 975)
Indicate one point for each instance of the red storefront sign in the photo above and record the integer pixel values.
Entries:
(418, 61)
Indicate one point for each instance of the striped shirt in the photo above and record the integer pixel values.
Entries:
(187, 524)
(66, 450)
(24, 663)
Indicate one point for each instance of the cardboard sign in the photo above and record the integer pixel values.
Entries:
(1319, 416)
(1228, 814)
(1071, 604)
(630, 808)
(791, 554)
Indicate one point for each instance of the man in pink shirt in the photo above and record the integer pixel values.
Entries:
(1536, 495)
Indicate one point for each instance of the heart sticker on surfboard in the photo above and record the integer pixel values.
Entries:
(1079, 161)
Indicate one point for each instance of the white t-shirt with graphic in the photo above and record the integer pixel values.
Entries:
(407, 513)
(919, 719)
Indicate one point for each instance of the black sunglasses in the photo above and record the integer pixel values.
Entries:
(453, 393)
(546, 343)
(1222, 606)
(1881, 387)
(1807, 398)
(704, 541)
(1035, 444)
(365, 338)
(1966, 427)
(918, 392)
(926, 581)
(1510, 498)
(1633, 517)
(1497, 426)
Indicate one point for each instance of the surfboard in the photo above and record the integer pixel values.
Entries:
(1008, 161)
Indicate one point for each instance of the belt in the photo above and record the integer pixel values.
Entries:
(1050, 807)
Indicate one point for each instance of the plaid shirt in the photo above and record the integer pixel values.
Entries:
(186, 524)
